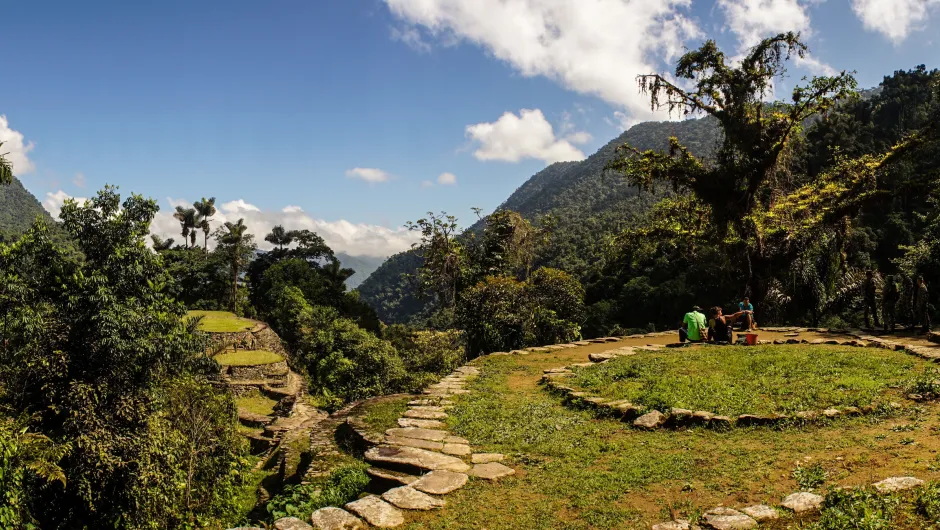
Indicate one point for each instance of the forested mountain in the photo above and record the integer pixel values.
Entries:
(588, 203)
(18, 210)
(363, 265)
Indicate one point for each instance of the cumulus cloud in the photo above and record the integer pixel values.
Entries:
(368, 174)
(411, 37)
(54, 201)
(894, 19)
(447, 179)
(595, 47)
(15, 149)
(512, 138)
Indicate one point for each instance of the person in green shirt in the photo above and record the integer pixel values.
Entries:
(693, 326)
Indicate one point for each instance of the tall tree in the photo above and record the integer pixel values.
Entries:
(238, 246)
(6, 169)
(187, 220)
(205, 209)
(279, 237)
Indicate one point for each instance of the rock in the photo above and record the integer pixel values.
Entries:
(392, 476)
(455, 440)
(601, 357)
(722, 421)
(421, 424)
(408, 498)
(702, 416)
(414, 442)
(425, 415)
(336, 519)
(934, 336)
(650, 420)
(411, 457)
(680, 415)
(427, 408)
(832, 413)
(457, 449)
(423, 434)
(291, 523)
(491, 471)
(851, 411)
(562, 370)
(802, 502)
(890, 485)
(807, 415)
(728, 519)
(752, 419)
(440, 482)
(672, 525)
(377, 512)
(486, 458)
(761, 513)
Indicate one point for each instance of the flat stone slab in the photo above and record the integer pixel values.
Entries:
(414, 457)
(457, 449)
(456, 440)
(440, 482)
(601, 357)
(893, 484)
(802, 502)
(291, 523)
(414, 442)
(428, 408)
(491, 471)
(650, 420)
(673, 525)
(408, 498)
(395, 476)
(486, 458)
(336, 519)
(421, 424)
(425, 415)
(377, 512)
(728, 519)
(761, 513)
(423, 434)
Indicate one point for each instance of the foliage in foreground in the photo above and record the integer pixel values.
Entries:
(344, 484)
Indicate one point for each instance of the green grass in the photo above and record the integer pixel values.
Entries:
(256, 404)
(579, 472)
(757, 380)
(222, 321)
(384, 414)
(248, 358)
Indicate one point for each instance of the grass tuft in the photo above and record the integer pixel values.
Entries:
(222, 321)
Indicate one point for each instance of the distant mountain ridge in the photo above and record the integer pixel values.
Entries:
(590, 204)
(18, 210)
(363, 265)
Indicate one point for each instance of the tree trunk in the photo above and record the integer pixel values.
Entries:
(234, 286)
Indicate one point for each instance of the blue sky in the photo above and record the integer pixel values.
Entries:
(347, 113)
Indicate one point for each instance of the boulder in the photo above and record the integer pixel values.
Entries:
(890, 485)
(728, 519)
(414, 458)
(650, 420)
(491, 471)
(803, 502)
(377, 512)
(761, 513)
(336, 519)
(440, 482)
(291, 523)
(408, 498)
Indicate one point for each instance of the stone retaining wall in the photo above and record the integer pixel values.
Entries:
(257, 372)
(261, 337)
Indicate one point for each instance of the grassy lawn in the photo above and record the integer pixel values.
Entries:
(248, 358)
(256, 404)
(222, 321)
(384, 414)
(757, 380)
(575, 471)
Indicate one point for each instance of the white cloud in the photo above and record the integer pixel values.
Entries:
(894, 19)
(79, 180)
(595, 47)
(54, 201)
(411, 37)
(292, 209)
(427, 184)
(512, 138)
(15, 149)
(447, 179)
(579, 137)
(368, 174)
(753, 20)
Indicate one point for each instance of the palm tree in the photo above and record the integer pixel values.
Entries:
(206, 209)
(336, 274)
(238, 247)
(279, 237)
(187, 219)
(159, 244)
(6, 169)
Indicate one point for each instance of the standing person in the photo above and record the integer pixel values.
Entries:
(745, 306)
(921, 312)
(907, 301)
(889, 303)
(871, 293)
(693, 326)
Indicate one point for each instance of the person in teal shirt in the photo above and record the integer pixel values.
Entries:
(693, 326)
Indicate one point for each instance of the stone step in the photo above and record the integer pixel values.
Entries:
(377, 512)
(413, 460)
(256, 421)
(336, 519)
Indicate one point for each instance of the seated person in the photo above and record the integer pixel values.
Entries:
(722, 325)
(747, 323)
(693, 326)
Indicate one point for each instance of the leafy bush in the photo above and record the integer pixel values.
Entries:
(859, 509)
(810, 477)
(927, 502)
(425, 354)
(343, 485)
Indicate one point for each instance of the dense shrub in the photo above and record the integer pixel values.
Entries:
(425, 354)
(342, 486)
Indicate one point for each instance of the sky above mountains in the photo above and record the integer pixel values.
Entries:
(351, 117)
